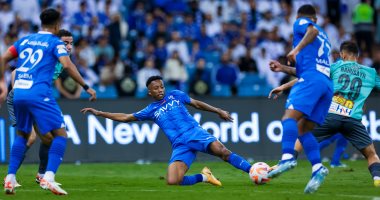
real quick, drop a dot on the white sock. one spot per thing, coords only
(49, 176)
(376, 178)
(316, 167)
(204, 178)
(10, 177)
(287, 156)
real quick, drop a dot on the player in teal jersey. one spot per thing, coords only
(353, 84)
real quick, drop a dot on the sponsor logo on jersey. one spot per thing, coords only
(339, 99)
(37, 43)
(166, 107)
(339, 109)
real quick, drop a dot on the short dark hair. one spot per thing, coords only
(152, 78)
(64, 33)
(350, 47)
(50, 17)
(307, 10)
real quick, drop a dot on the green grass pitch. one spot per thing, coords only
(120, 181)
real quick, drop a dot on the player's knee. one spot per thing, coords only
(225, 154)
(173, 181)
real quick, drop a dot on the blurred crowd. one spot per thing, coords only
(204, 47)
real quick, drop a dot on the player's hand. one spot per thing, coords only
(3, 91)
(275, 66)
(276, 92)
(292, 56)
(92, 93)
(225, 115)
(90, 110)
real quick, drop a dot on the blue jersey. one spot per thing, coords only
(314, 58)
(170, 114)
(37, 56)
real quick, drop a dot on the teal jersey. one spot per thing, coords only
(352, 85)
(57, 71)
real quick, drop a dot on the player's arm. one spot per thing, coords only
(377, 82)
(121, 117)
(276, 92)
(73, 72)
(206, 107)
(310, 35)
(61, 89)
(275, 66)
(9, 55)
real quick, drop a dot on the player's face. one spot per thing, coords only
(68, 40)
(156, 89)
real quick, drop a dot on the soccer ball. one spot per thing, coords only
(259, 173)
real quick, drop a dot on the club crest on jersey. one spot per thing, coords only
(303, 21)
(61, 49)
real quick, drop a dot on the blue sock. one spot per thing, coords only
(44, 155)
(341, 145)
(56, 152)
(239, 162)
(17, 154)
(26, 150)
(311, 147)
(289, 135)
(191, 180)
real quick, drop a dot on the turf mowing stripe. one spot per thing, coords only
(145, 190)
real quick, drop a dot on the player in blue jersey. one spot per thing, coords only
(353, 84)
(187, 137)
(67, 38)
(309, 98)
(33, 99)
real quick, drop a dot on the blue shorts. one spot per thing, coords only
(185, 147)
(312, 96)
(46, 114)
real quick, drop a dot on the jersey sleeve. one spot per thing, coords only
(301, 25)
(15, 47)
(182, 96)
(144, 114)
(377, 82)
(334, 66)
(60, 49)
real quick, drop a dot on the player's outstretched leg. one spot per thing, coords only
(289, 137)
(218, 149)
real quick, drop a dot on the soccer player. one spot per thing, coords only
(67, 38)
(33, 100)
(187, 137)
(352, 85)
(309, 99)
